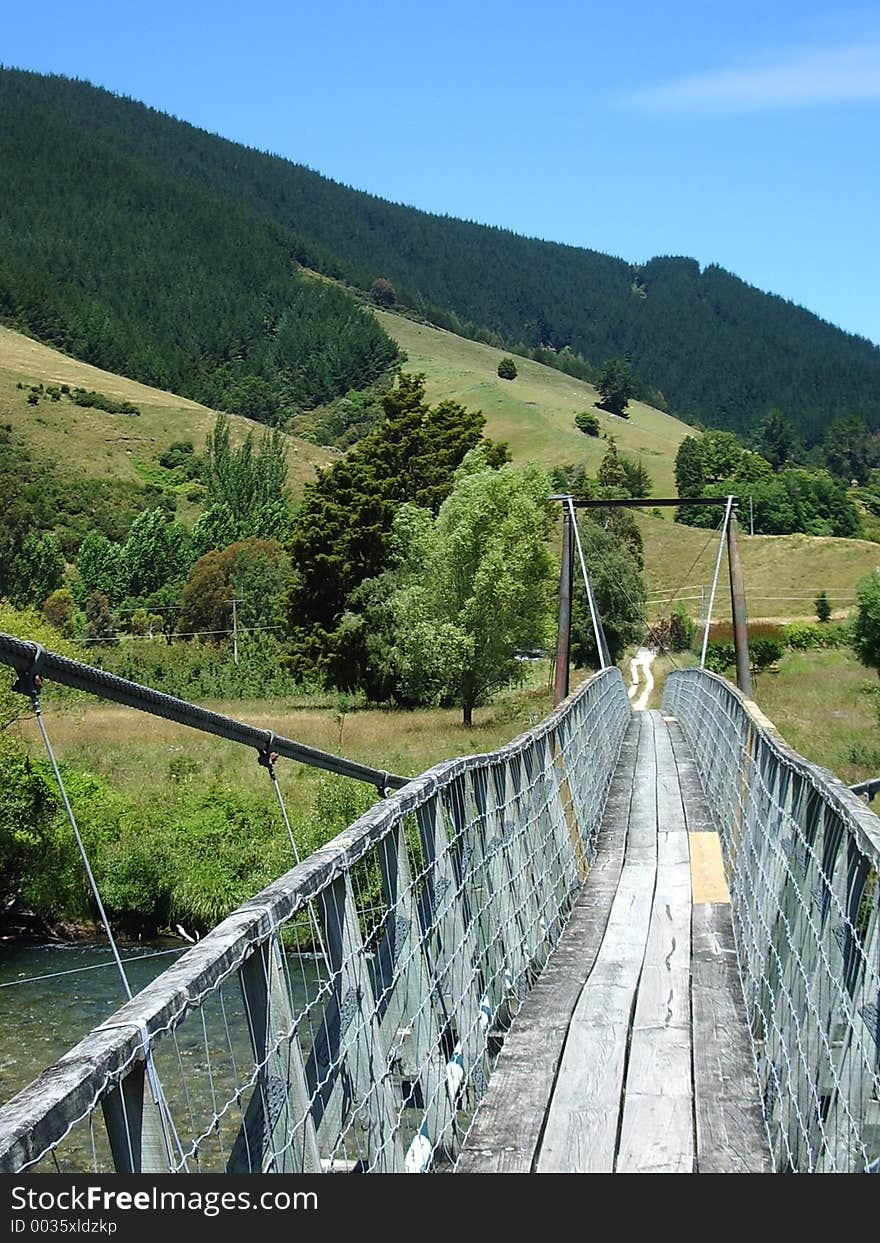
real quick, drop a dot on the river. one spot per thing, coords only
(52, 995)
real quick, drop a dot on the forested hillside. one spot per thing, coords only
(117, 247)
(152, 248)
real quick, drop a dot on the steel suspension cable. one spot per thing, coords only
(30, 659)
(165, 1120)
(642, 616)
(599, 633)
(715, 582)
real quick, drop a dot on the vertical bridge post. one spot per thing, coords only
(738, 609)
(563, 634)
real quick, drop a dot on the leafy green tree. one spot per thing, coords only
(507, 369)
(721, 454)
(616, 385)
(850, 450)
(638, 480)
(689, 476)
(206, 599)
(60, 611)
(101, 626)
(247, 478)
(475, 586)
(252, 572)
(37, 570)
(216, 528)
(611, 475)
(342, 531)
(100, 567)
(155, 552)
(777, 441)
(383, 292)
(866, 624)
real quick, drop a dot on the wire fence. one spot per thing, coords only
(802, 855)
(349, 1016)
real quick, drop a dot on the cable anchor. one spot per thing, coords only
(30, 681)
(266, 758)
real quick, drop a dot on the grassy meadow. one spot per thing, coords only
(167, 809)
(783, 574)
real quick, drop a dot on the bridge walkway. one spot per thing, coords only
(631, 1052)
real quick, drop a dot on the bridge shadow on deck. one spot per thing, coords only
(631, 1052)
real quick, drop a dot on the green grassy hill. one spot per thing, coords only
(535, 412)
(783, 573)
(91, 443)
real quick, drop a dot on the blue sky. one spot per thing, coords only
(745, 135)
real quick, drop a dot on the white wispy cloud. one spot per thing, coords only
(794, 78)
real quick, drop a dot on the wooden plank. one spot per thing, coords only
(277, 1134)
(708, 879)
(454, 955)
(698, 816)
(657, 1132)
(730, 1133)
(408, 1017)
(507, 1128)
(362, 1054)
(581, 1129)
(138, 1138)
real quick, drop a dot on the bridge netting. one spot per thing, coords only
(802, 854)
(348, 1016)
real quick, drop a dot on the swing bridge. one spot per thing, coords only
(627, 941)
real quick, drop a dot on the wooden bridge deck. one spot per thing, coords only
(631, 1053)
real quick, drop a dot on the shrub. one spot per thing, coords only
(587, 423)
(764, 651)
(682, 629)
(507, 369)
(806, 636)
(823, 608)
(100, 401)
(720, 655)
(802, 636)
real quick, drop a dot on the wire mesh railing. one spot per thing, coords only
(349, 1015)
(802, 855)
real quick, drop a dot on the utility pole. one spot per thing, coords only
(563, 632)
(234, 633)
(751, 516)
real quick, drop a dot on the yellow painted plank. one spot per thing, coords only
(708, 881)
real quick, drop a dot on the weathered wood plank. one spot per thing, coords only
(507, 1128)
(278, 1132)
(731, 1138)
(582, 1121)
(656, 1133)
(138, 1140)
